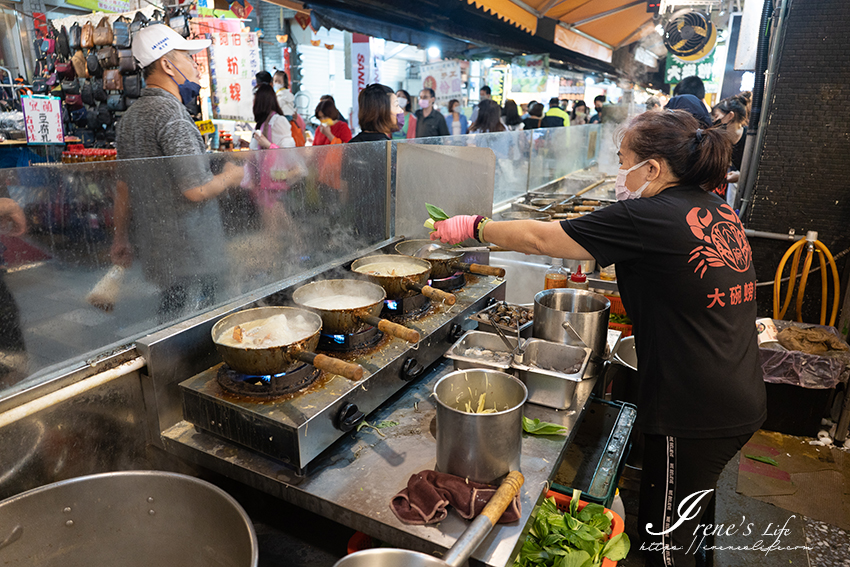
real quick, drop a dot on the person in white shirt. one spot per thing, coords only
(273, 129)
(285, 98)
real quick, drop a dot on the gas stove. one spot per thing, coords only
(296, 416)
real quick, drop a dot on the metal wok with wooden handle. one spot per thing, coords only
(401, 276)
(349, 306)
(463, 548)
(446, 262)
(276, 358)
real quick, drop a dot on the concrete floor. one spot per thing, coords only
(829, 546)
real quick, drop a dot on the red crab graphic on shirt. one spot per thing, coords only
(725, 241)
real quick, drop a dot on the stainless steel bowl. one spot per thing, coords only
(132, 519)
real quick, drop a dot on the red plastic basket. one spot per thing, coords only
(616, 305)
(562, 501)
(360, 541)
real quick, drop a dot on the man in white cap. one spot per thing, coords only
(169, 206)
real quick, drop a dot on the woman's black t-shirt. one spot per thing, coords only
(369, 137)
(685, 273)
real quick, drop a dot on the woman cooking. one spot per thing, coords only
(686, 278)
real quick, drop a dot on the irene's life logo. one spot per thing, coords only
(766, 537)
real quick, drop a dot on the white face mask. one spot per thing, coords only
(402, 102)
(620, 188)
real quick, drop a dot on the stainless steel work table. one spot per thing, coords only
(354, 480)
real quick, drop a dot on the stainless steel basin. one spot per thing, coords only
(132, 519)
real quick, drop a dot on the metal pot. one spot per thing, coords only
(467, 543)
(587, 266)
(479, 446)
(282, 358)
(351, 320)
(447, 262)
(399, 287)
(572, 316)
(133, 519)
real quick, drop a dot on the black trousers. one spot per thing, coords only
(677, 494)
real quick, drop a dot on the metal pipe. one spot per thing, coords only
(758, 145)
(71, 391)
(773, 235)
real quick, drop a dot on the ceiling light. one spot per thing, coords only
(434, 52)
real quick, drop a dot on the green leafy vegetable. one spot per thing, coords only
(760, 459)
(537, 427)
(436, 213)
(572, 539)
(619, 319)
(385, 424)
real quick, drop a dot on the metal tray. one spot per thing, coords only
(552, 388)
(488, 327)
(488, 341)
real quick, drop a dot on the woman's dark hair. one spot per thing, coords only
(489, 117)
(576, 106)
(452, 102)
(406, 94)
(511, 112)
(328, 109)
(265, 104)
(694, 155)
(283, 77)
(535, 110)
(737, 105)
(374, 113)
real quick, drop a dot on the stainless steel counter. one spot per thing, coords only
(354, 480)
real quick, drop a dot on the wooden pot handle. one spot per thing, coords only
(393, 329)
(332, 365)
(502, 499)
(438, 295)
(485, 270)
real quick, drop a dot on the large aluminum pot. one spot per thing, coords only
(572, 316)
(483, 447)
(132, 519)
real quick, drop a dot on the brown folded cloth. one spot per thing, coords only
(429, 493)
(810, 340)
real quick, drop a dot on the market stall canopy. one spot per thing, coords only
(459, 29)
(592, 27)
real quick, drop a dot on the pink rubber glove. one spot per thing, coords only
(454, 230)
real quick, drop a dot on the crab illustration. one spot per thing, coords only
(726, 243)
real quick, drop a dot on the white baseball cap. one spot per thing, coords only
(154, 41)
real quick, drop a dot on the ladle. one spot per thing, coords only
(517, 351)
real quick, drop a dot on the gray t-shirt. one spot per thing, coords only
(175, 238)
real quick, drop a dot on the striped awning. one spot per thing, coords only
(609, 24)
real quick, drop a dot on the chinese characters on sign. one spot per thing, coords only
(43, 120)
(444, 78)
(234, 62)
(675, 70)
(529, 73)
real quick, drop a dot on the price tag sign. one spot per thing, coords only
(43, 119)
(205, 126)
